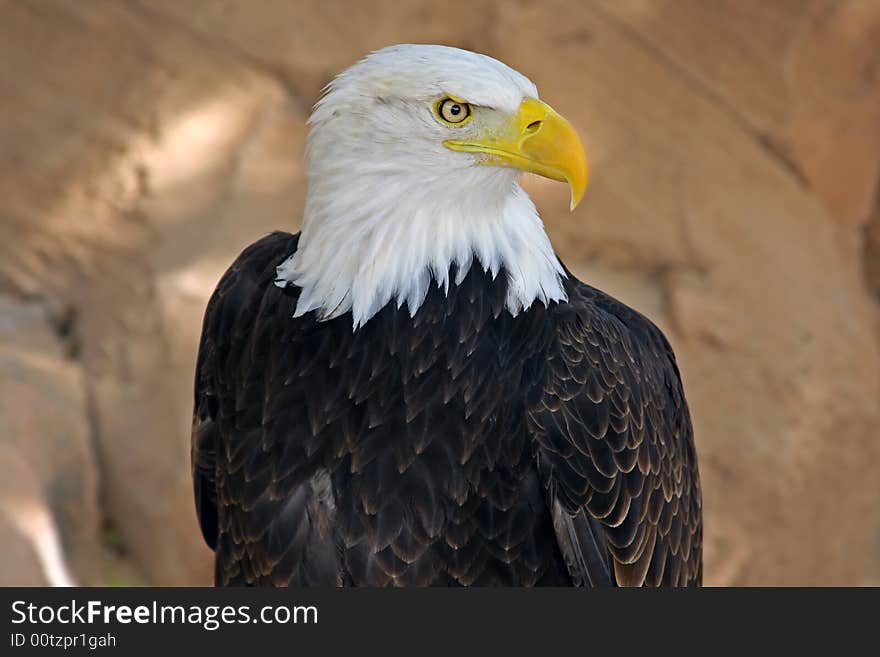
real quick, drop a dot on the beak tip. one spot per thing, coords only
(577, 195)
(577, 177)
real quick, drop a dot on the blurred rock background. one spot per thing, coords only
(735, 147)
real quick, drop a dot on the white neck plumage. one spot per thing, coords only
(367, 242)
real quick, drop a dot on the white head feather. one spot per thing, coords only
(389, 205)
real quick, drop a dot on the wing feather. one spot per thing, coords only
(615, 448)
(264, 504)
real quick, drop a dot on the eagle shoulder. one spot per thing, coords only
(263, 506)
(615, 447)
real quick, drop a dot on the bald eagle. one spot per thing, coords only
(413, 390)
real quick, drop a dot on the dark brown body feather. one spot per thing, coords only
(461, 446)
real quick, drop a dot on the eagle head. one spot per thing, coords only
(436, 113)
(413, 158)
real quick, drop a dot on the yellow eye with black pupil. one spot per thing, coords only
(453, 111)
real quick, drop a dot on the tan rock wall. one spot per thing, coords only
(736, 154)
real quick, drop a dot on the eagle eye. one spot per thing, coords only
(453, 112)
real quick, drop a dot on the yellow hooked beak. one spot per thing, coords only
(537, 140)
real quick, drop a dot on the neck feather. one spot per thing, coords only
(359, 252)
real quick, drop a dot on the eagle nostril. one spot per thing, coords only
(534, 126)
